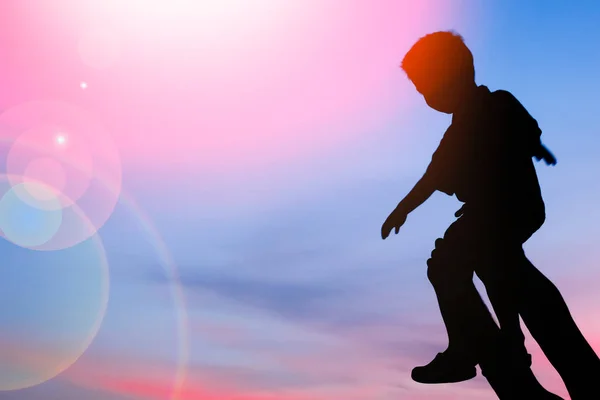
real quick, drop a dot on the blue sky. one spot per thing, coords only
(288, 288)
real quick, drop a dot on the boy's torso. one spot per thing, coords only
(485, 158)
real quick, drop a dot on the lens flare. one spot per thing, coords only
(151, 233)
(25, 219)
(42, 154)
(58, 146)
(45, 173)
(54, 305)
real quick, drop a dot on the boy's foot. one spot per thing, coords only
(444, 368)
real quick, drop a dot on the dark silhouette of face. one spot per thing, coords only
(440, 94)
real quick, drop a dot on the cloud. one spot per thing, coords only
(296, 301)
(263, 339)
(340, 369)
(61, 390)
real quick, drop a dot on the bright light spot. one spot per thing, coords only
(61, 139)
(83, 85)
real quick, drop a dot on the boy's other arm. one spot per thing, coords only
(542, 153)
(527, 127)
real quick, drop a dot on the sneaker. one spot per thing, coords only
(444, 369)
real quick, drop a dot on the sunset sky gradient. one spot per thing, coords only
(255, 148)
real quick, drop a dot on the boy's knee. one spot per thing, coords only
(435, 253)
(448, 267)
(437, 264)
(435, 272)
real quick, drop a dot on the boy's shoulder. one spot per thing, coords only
(504, 95)
(508, 108)
(490, 104)
(510, 116)
(502, 100)
(505, 100)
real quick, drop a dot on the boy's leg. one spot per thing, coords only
(468, 322)
(459, 303)
(473, 335)
(513, 283)
(494, 271)
(547, 316)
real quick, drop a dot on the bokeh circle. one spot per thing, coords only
(62, 147)
(45, 179)
(25, 218)
(48, 155)
(53, 305)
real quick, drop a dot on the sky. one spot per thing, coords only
(193, 191)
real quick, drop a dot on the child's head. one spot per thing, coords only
(441, 67)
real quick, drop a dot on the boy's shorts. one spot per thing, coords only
(475, 243)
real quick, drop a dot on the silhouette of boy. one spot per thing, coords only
(485, 159)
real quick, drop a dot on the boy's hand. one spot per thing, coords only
(394, 221)
(545, 155)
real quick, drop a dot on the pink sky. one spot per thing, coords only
(271, 82)
(268, 143)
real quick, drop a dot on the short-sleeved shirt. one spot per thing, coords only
(485, 156)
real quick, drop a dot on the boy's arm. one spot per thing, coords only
(422, 191)
(430, 182)
(433, 179)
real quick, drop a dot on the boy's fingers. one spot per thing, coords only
(397, 229)
(384, 232)
(460, 211)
